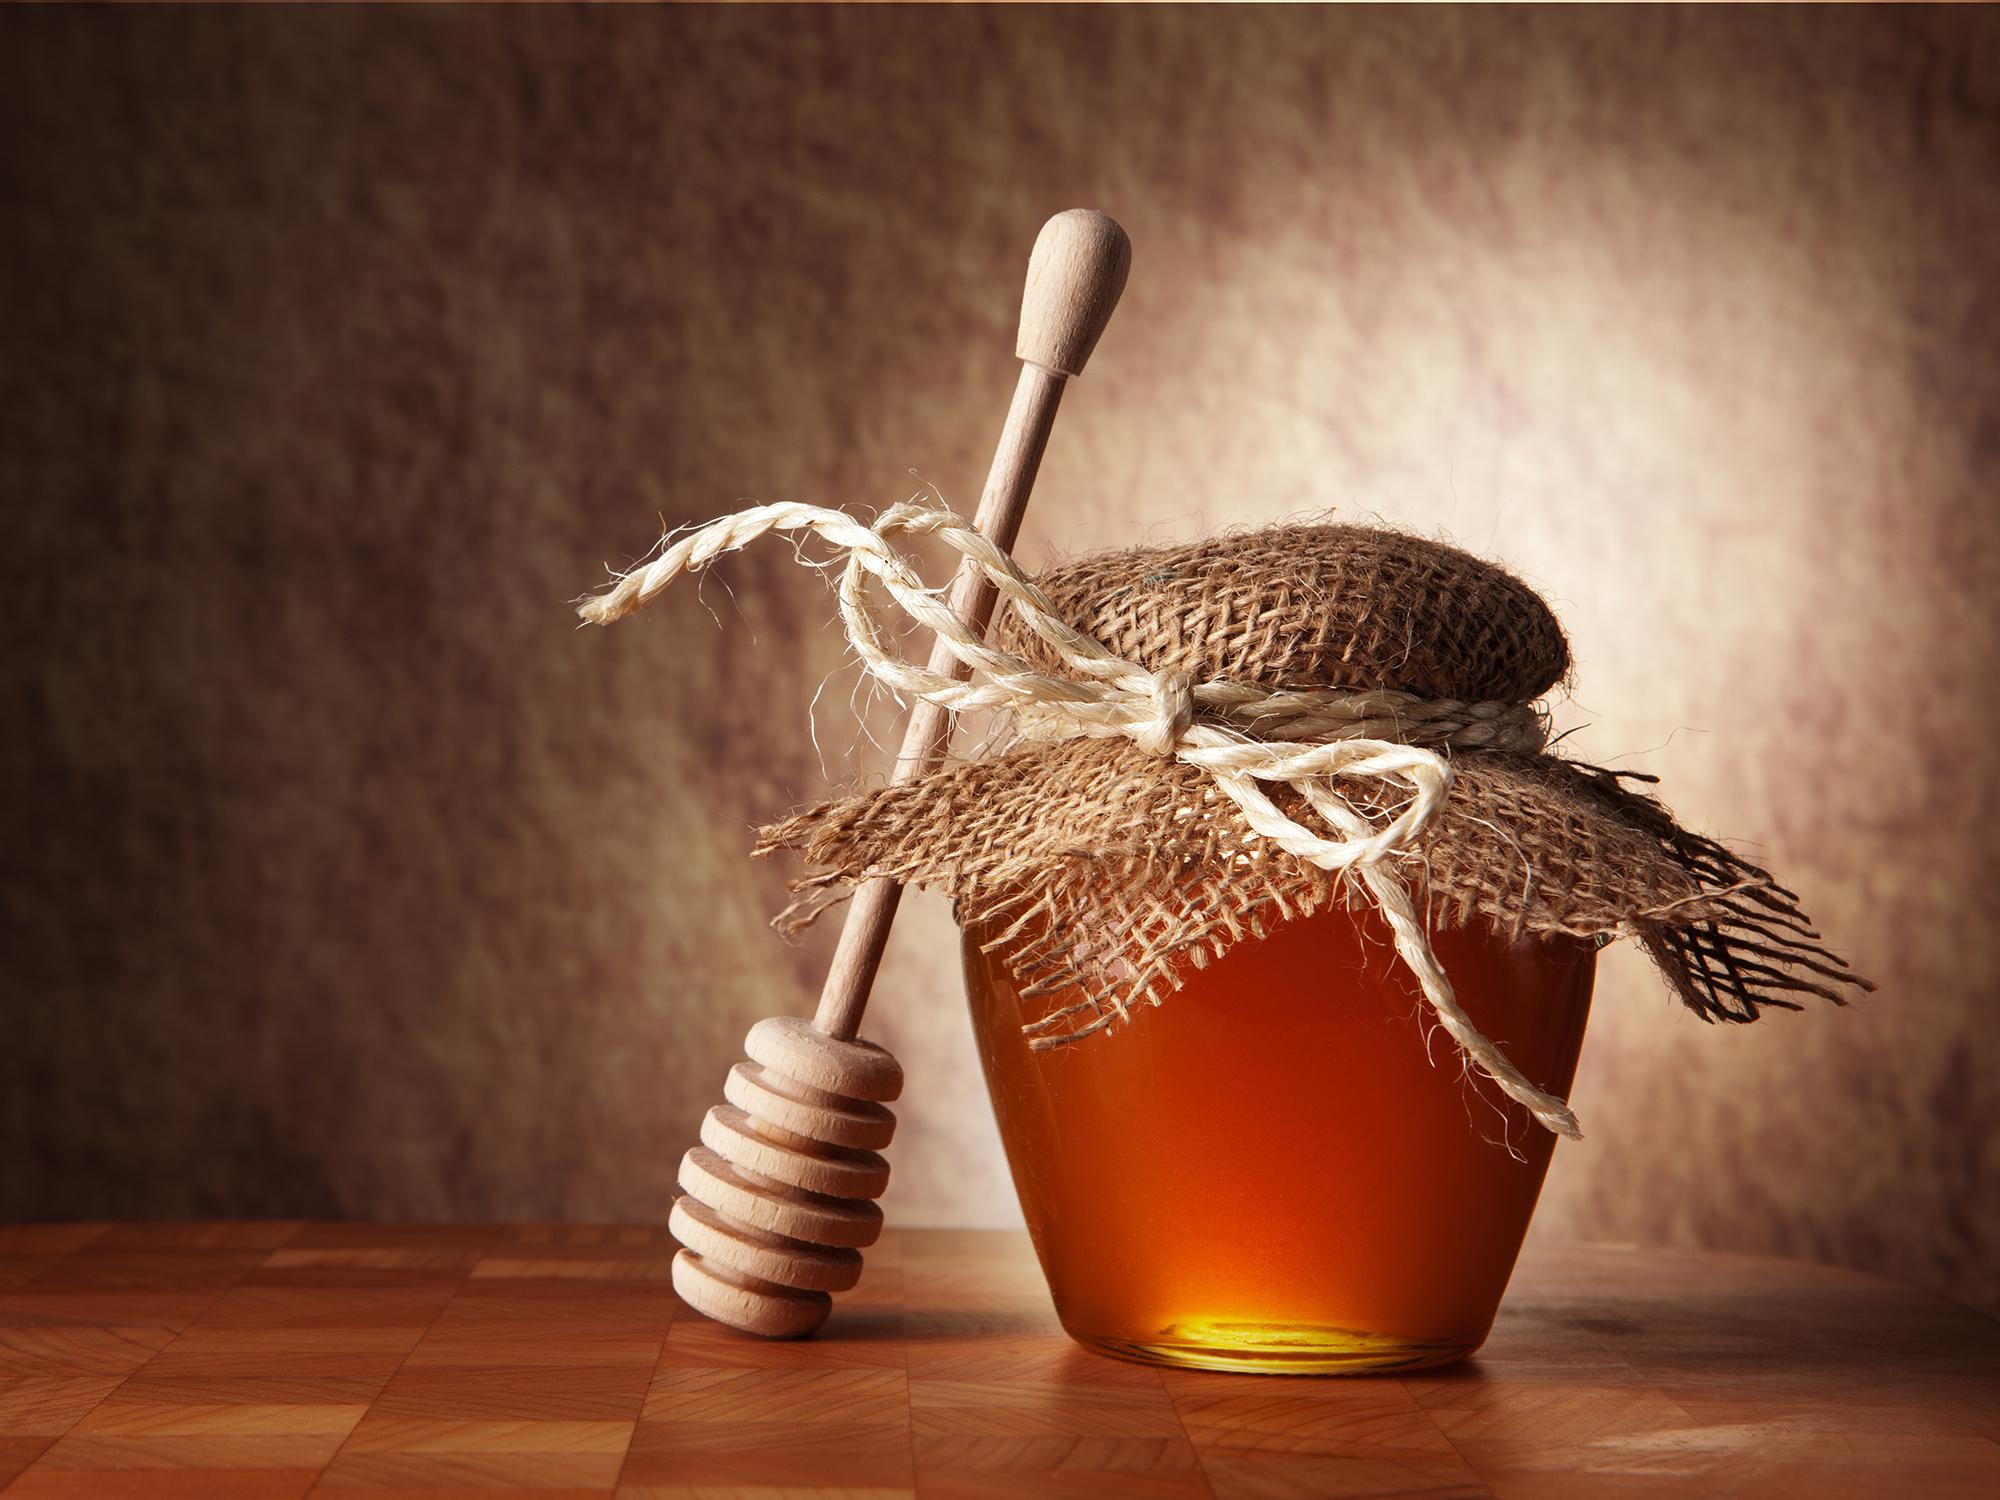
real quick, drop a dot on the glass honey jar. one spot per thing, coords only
(1290, 1180)
(1280, 919)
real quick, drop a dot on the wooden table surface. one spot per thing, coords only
(221, 1360)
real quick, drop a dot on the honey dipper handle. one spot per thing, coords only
(1075, 275)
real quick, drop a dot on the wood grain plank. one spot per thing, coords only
(77, 1349)
(581, 1251)
(433, 1472)
(1037, 1358)
(16, 1453)
(53, 1240)
(1031, 1484)
(284, 1451)
(285, 1302)
(47, 1406)
(871, 1455)
(130, 1307)
(45, 1483)
(547, 1344)
(122, 1415)
(203, 1234)
(1241, 1474)
(778, 1397)
(1007, 1408)
(536, 1299)
(627, 1491)
(1343, 1417)
(958, 1464)
(1559, 1413)
(19, 1270)
(380, 1434)
(576, 1393)
(850, 1340)
(204, 1377)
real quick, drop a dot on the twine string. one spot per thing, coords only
(1239, 733)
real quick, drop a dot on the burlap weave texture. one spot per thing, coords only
(1109, 870)
(1311, 607)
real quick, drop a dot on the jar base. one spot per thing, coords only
(1280, 1349)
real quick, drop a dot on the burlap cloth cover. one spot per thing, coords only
(1108, 868)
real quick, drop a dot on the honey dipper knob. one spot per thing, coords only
(1075, 277)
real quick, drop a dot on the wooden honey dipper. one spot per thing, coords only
(780, 1193)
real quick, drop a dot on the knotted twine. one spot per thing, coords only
(1239, 734)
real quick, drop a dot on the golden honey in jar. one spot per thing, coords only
(1282, 1168)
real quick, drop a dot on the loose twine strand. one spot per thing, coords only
(1239, 733)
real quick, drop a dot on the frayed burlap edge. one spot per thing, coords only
(1103, 872)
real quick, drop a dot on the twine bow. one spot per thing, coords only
(1239, 733)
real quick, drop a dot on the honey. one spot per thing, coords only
(1280, 1169)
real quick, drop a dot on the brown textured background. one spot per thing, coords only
(340, 349)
